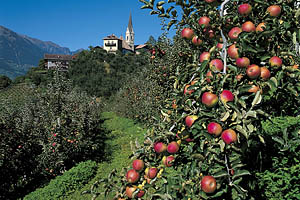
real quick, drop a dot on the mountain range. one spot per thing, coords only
(18, 53)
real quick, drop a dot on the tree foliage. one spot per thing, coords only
(200, 153)
(102, 74)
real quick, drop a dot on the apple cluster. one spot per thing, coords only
(211, 111)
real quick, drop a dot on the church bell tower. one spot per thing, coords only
(130, 34)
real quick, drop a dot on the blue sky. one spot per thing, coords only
(77, 23)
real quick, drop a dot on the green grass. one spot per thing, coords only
(123, 131)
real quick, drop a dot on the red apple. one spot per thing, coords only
(209, 99)
(209, 75)
(274, 10)
(196, 41)
(160, 147)
(253, 89)
(130, 191)
(216, 65)
(208, 184)
(204, 21)
(242, 62)
(214, 128)
(275, 61)
(226, 96)
(248, 26)
(168, 160)
(253, 71)
(220, 46)
(173, 147)
(132, 176)
(233, 52)
(265, 73)
(209, 1)
(187, 33)
(245, 9)
(234, 33)
(138, 165)
(204, 56)
(260, 27)
(189, 120)
(229, 136)
(151, 172)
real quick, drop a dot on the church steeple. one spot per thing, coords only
(130, 33)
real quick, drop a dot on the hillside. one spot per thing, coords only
(18, 52)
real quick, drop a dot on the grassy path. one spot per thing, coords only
(123, 131)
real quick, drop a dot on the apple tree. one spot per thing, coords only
(234, 65)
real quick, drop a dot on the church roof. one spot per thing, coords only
(125, 45)
(130, 27)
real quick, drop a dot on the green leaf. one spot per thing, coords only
(154, 12)
(257, 99)
(261, 139)
(241, 172)
(220, 174)
(225, 117)
(240, 129)
(160, 3)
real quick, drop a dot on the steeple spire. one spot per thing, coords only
(130, 34)
(130, 23)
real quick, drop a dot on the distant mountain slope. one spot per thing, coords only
(18, 52)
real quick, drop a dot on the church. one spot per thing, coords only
(112, 43)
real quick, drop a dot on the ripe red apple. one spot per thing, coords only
(234, 33)
(151, 172)
(209, 75)
(229, 136)
(253, 89)
(260, 27)
(242, 62)
(173, 147)
(233, 52)
(216, 65)
(208, 184)
(168, 160)
(138, 165)
(275, 61)
(204, 56)
(265, 73)
(160, 147)
(204, 21)
(209, 99)
(187, 33)
(214, 128)
(248, 26)
(226, 96)
(253, 71)
(245, 9)
(189, 120)
(209, 1)
(132, 176)
(130, 191)
(196, 41)
(220, 46)
(274, 10)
